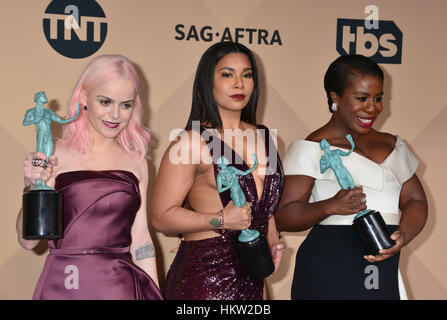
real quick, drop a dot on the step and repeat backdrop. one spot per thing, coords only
(46, 44)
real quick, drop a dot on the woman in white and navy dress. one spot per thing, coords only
(330, 263)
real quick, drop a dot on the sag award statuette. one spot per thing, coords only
(253, 250)
(368, 224)
(42, 205)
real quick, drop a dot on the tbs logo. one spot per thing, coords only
(383, 44)
(75, 28)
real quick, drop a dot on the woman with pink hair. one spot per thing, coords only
(106, 251)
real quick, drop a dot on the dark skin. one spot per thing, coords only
(358, 107)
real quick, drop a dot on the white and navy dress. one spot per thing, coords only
(329, 262)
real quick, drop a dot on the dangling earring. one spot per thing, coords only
(334, 107)
(85, 108)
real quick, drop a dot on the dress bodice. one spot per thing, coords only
(264, 206)
(381, 183)
(99, 208)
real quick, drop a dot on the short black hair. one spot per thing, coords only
(204, 106)
(342, 72)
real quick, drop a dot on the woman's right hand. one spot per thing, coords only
(347, 202)
(32, 173)
(236, 218)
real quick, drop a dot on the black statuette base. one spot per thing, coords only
(42, 214)
(255, 258)
(373, 233)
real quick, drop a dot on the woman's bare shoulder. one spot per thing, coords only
(186, 147)
(385, 138)
(133, 162)
(64, 154)
(318, 135)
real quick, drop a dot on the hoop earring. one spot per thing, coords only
(334, 107)
(85, 108)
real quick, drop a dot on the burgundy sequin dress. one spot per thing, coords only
(92, 259)
(209, 269)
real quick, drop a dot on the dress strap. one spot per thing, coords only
(268, 141)
(217, 148)
(274, 162)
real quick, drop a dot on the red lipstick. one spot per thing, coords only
(238, 97)
(366, 122)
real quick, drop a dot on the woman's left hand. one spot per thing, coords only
(277, 250)
(397, 236)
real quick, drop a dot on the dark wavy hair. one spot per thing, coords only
(343, 71)
(204, 106)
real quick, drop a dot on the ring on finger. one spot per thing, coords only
(363, 200)
(39, 163)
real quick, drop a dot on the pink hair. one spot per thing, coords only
(100, 70)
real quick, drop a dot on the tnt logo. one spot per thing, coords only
(382, 44)
(75, 28)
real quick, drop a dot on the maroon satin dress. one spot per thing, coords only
(209, 269)
(92, 259)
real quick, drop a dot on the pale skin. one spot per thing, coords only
(111, 102)
(195, 180)
(361, 100)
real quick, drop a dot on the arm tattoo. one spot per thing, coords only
(145, 251)
(215, 222)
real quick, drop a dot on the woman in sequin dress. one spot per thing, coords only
(186, 200)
